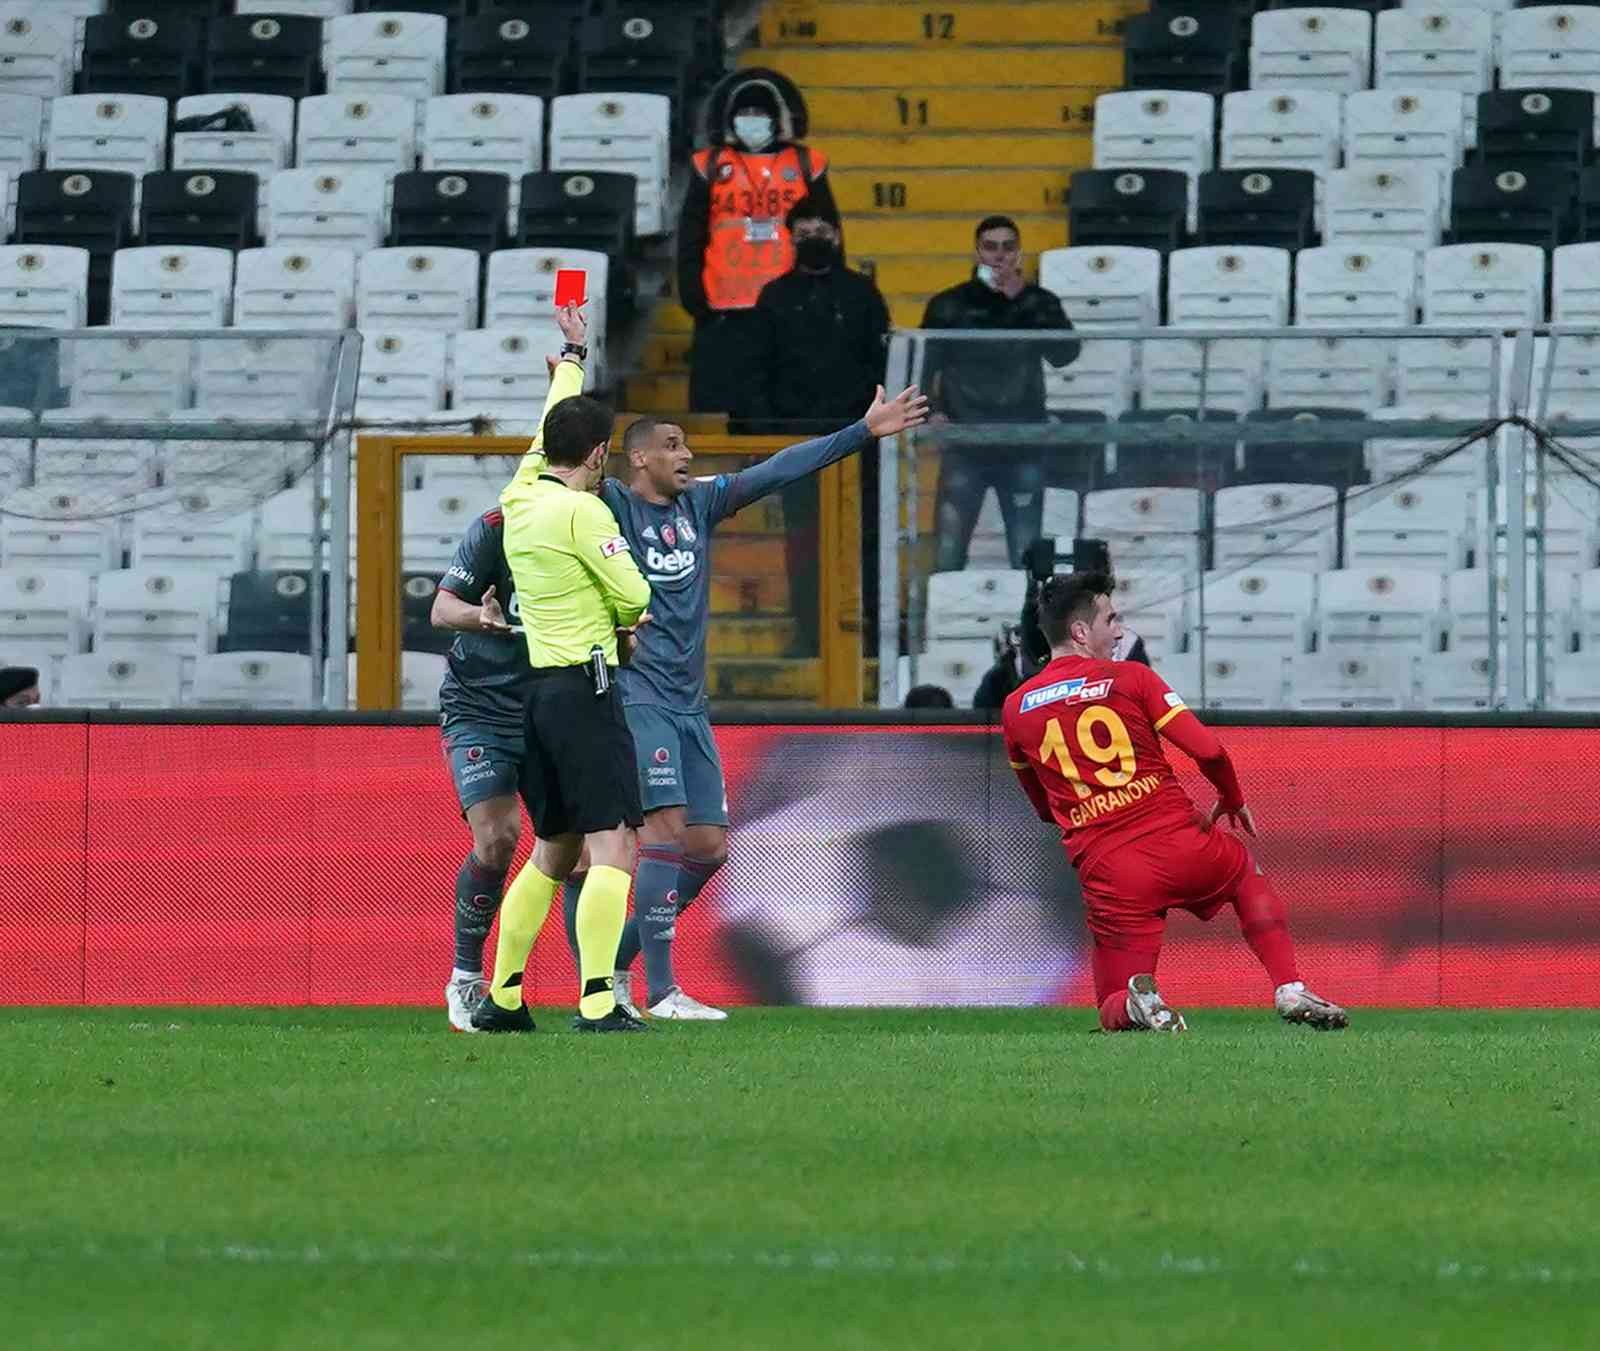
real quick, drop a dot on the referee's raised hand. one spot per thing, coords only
(907, 409)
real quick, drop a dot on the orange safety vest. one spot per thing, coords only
(747, 242)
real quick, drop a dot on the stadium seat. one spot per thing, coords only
(1150, 530)
(46, 527)
(1344, 287)
(501, 373)
(1587, 227)
(1438, 46)
(1278, 129)
(1456, 682)
(1155, 606)
(252, 680)
(1467, 594)
(1358, 681)
(1364, 608)
(957, 665)
(16, 453)
(619, 53)
(208, 464)
(1258, 682)
(973, 604)
(1281, 526)
(204, 529)
(1391, 456)
(421, 674)
(100, 465)
(294, 288)
(617, 133)
(133, 373)
(1404, 128)
(1352, 374)
(1228, 287)
(1556, 45)
(1155, 448)
(21, 138)
(1518, 127)
(172, 608)
(386, 54)
(342, 133)
(284, 533)
(1226, 374)
(1100, 380)
(273, 51)
(327, 208)
(402, 373)
(1575, 293)
(263, 378)
(431, 525)
(92, 211)
(1576, 684)
(1532, 204)
(149, 50)
(204, 208)
(1146, 208)
(578, 211)
(263, 151)
(1571, 518)
(1311, 49)
(1587, 607)
(44, 613)
(45, 285)
(1255, 611)
(1154, 129)
(121, 677)
(510, 53)
(417, 288)
(1454, 371)
(499, 133)
(1483, 284)
(521, 294)
(1421, 525)
(36, 50)
(441, 208)
(126, 134)
(1254, 207)
(1107, 287)
(312, 9)
(171, 287)
(479, 476)
(1372, 208)
(1195, 48)
(269, 610)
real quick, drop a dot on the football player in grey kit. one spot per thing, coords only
(668, 518)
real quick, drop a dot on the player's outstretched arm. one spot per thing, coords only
(450, 611)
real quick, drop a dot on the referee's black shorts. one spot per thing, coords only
(579, 775)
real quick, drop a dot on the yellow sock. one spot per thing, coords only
(602, 910)
(522, 915)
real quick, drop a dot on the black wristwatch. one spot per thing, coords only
(575, 349)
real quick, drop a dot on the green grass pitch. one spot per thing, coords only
(294, 1179)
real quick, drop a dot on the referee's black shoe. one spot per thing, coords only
(487, 1016)
(618, 1020)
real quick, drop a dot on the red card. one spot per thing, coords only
(571, 287)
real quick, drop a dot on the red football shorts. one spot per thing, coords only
(1128, 888)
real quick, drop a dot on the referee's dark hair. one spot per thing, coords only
(574, 427)
(1066, 599)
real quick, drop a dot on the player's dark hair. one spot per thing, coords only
(1066, 599)
(641, 430)
(929, 696)
(573, 428)
(995, 223)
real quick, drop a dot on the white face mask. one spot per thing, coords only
(753, 130)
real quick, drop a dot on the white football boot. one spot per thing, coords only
(1296, 1004)
(622, 990)
(676, 1004)
(460, 997)
(1148, 1010)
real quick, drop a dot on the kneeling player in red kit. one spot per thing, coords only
(1084, 736)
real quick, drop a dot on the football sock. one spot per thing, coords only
(655, 906)
(1264, 920)
(571, 889)
(628, 948)
(692, 877)
(1114, 1012)
(477, 898)
(602, 906)
(521, 917)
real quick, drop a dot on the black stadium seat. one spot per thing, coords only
(1199, 50)
(653, 52)
(1148, 456)
(265, 54)
(578, 211)
(511, 52)
(1529, 126)
(271, 612)
(1339, 464)
(445, 208)
(1587, 228)
(454, 10)
(147, 50)
(1275, 208)
(1525, 204)
(417, 630)
(88, 209)
(201, 10)
(200, 207)
(1145, 207)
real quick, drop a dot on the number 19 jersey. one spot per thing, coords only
(1090, 732)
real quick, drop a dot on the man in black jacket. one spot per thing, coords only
(990, 383)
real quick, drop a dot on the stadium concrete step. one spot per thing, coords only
(658, 394)
(753, 636)
(670, 317)
(736, 556)
(928, 108)
(907, 311)
(667, 354)
(760, 593)
(892, 192)
(906, 235)
(807, 23)
(929, 150)
(911, 277)
(916, 71)
(775, 679)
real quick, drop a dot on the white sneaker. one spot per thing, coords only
(622, 988)
(676, 1004)
(1148, 1010)
(1296, 1004)
(460, 995)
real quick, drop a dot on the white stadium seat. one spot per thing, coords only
(328, 208)
(1060, 516)
(1344, 287)
(1576, 290)
(121, 133)
(1422, 524)
(263, 152)
(1483, 285)
(1398, 607)
(1156, 607)
(15, 452)
(1281, 526)
(99, 464)
(294, 288)
(1436, 46)
(311, 9)
(1329, 372)
(1551, 45)
(618, 133)
(1222, 681)
(1390, 456)
(263, 378)
(340, 132)
(21, 134)
(1281, 129)
(485, 133)
(208, 465)
(1576, 686)
(402, 373)
(1358, 681)
(1106, 287)
(1311, 49)
(44, 285)
(974, 603)
(283, 534)
(1099, 381)
(120, 677)
(1250, 609)
(204, 529)
(1154, 129)
(1571, 522)
(417, 288)
(163, 286)
(521, 294)
(128, 371)
(1467, 594)
(958, 665)
(1456, 682)
(1228, 373)
(1587, 608)
(431, 525)
(167, 607)
(252, 680)
(36, 49)
(421, 674)
(1370, 208)
(501, 373)
(1437, 370)
(1228, 286)
(987, 547)
(1150, 530)
(45, 527)
(385, 54)
(1398, 128)
(44, 613)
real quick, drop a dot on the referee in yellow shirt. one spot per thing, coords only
(577, 586)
